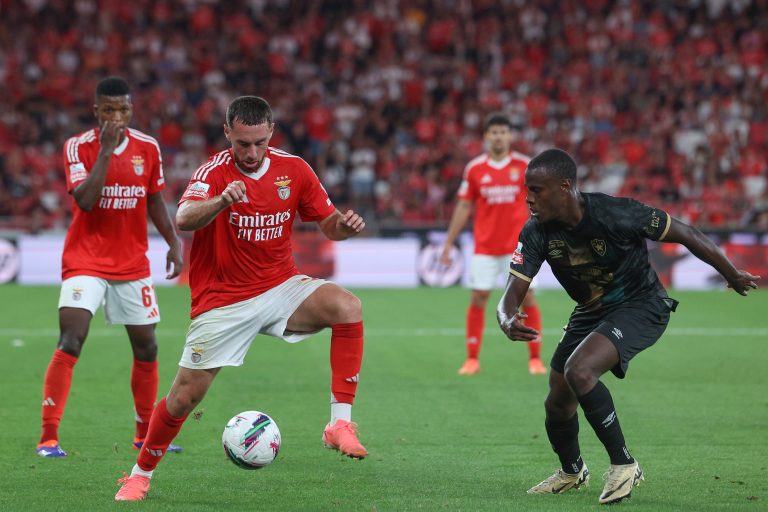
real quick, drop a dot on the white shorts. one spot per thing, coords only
(125, 302)
(487, 272)
(222, 336)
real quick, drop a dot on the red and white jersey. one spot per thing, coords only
(497, 189)
(246, 249)
(110, 241)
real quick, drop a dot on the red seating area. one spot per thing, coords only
(657, 100)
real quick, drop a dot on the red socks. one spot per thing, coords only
(534, 320)
(58, 379)
(163, 428)
(475, 327)
(144, 381)
(346, 359)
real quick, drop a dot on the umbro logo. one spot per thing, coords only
(609, 419)
(616, 332)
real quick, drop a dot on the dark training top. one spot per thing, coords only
(601, 262)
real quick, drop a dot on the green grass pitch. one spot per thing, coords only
(694, 409)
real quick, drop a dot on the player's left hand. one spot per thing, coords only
(174, 262)
(743, 282)
(515, 329)
(350, 224)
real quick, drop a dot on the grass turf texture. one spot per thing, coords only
(694, 410)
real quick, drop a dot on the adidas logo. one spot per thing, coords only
(49, 402)
(355, 378)
(154, 313)
(485, 179)
(155, 453)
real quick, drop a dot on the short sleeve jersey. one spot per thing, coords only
(601, 262)
(110, 241)
(497, 190)
(246, 249)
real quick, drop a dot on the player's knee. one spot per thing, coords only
(580, 377)
(349, 309)
(147, 353)
(182, 402)
(71, 343)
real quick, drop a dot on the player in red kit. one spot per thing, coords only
(241, 205)
(493, 184)
(115, 175)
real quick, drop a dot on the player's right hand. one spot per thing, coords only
(234, 193)
(515, 329)
(445, 255)
(109, 135)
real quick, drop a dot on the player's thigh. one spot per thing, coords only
(131, 303)
(484, 271)
(83, 292)
(633, 328)
(327, 305)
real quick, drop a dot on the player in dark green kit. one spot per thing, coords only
(595, 245)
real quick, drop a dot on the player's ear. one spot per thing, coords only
(226, 132)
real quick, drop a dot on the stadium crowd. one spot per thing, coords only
(663, 101)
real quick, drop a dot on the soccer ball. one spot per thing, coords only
(251, 440)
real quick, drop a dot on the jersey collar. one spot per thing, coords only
(259, 173)
(121, 147)
(499, 164)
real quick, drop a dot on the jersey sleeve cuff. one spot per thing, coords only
(666, 228)
(520, 276)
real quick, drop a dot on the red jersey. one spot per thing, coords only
(246, 249)
(497, 189)
(110, 241)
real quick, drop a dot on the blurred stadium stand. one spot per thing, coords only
(665, 101)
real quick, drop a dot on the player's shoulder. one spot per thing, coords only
(216, 164)
(607, 202)
(519, 158)
(143, 138)
(475, 165)
(81, 139)
(289, 161)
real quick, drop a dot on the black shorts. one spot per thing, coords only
(632, 327)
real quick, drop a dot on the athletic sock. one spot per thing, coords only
(340, 411)
(163, 428)
(58, 379)
(346, 359)
(144, 381)
(564, 439)
(601, 414)
(475, 326)
(534, 321)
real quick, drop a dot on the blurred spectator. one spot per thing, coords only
(664, 101)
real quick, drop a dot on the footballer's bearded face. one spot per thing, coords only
(498, 140)
(115, 109)
(249, 143)
(548, 196)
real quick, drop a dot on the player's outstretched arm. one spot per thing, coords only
(158, 212)
(459, 219)
(193, 215)
(706, 250)
(338, 226)
(509, 316)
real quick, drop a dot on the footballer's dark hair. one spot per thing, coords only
(249, 110)
(497, 119)
(112, 86)
(555, 162)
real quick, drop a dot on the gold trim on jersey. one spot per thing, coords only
(666, 228)
(521, 276)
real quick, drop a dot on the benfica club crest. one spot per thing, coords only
(283, 190)
(138, 165)
(77, 294)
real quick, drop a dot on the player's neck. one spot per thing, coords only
(498, 157)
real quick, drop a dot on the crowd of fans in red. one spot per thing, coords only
(666, 102)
